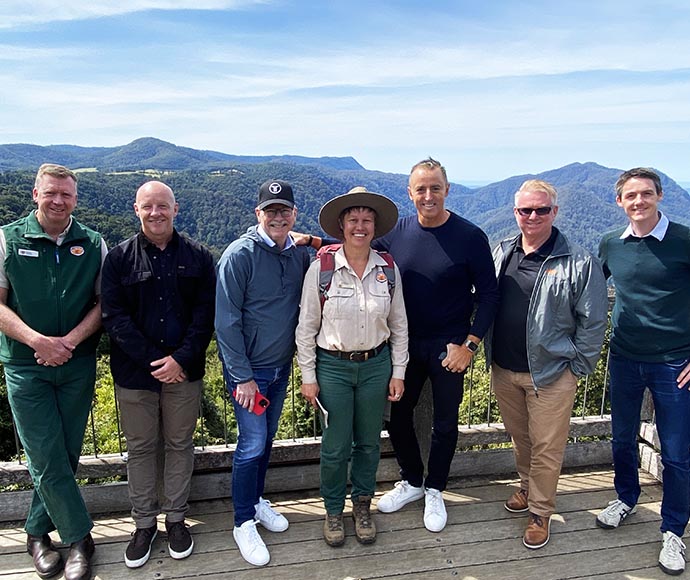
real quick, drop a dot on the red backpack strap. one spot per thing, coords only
(388, 270)
(326, 257)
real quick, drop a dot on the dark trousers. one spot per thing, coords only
(447, 390)
(51, 406)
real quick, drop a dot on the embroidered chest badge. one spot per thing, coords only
(381, 277)
(76, 251)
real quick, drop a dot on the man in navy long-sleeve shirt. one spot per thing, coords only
(446, 267)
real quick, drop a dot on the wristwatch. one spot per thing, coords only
(471, 345)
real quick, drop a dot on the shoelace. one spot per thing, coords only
(267, 512)
(334, 523)
(434, 501)
(363, 515)
(399, 488)
(253, 534)
(675, 545)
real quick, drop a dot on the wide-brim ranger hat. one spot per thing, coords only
(386, 211)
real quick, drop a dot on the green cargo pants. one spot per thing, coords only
(50, 407)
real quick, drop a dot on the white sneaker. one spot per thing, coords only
(672, 555)
(401, 494)
(435, 515)
(270, 518)
(251, 545)
(612, 516)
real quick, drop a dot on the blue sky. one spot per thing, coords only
(492, 88)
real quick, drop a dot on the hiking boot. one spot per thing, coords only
(612, 516)
(139, 548)
(537, 532)
(180, 542)
(270, 518)
(365, 528)
(401, 494)
(672, 555)
(435, 515)
(517, 502)
(47, 560)
(251, 545)
(334, 530)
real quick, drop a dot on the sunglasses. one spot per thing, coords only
(527, 211)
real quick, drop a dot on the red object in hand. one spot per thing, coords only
(261, 403)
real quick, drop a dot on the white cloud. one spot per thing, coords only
(15, 13)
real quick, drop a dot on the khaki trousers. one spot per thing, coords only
(150, 420)
(538, 426)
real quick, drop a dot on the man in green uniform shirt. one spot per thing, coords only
(49, 317)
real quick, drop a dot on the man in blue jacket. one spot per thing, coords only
(548, 332)
(158, 301)
(259, 287)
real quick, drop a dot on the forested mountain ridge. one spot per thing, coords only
(217, 205)
(146, 153)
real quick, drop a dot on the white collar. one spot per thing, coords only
(264, 236)
(658, 232)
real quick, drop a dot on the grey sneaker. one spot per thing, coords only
(672, 555)
(401, 494)
(613, 515)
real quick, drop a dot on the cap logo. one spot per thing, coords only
(275, 188)
(76, 250)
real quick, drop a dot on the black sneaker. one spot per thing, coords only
(139, 548)
(180, 543)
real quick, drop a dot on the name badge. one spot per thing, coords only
(27, 253)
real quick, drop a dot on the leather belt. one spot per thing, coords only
(355, 355)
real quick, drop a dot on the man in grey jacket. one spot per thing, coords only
(258, 292)
(548, 332)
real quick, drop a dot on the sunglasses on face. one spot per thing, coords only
(527, 211)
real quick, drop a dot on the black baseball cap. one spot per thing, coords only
(275, 191)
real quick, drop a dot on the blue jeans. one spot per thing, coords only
(672, 409)
(255, 438)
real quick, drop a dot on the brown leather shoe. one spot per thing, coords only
(334, 530)
(537, 532)
(78, 565)
(47, 560)
(517, 502)
(365, 528)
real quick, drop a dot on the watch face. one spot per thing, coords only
(473, 346)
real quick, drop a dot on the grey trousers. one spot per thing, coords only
(150, 421)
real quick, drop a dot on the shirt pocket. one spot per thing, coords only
(379, 303)
(341, 303)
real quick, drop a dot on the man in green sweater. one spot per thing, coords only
(49, 317)
(649, 262)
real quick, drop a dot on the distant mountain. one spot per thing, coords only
(146, 153)
(217, 192)
(586, 200)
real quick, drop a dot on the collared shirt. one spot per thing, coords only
(358, 315)
(163, 310)
(516, 286)
(4, 282)
(269, 242)
(658, 232)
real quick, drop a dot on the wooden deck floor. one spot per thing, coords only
(482, 541)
